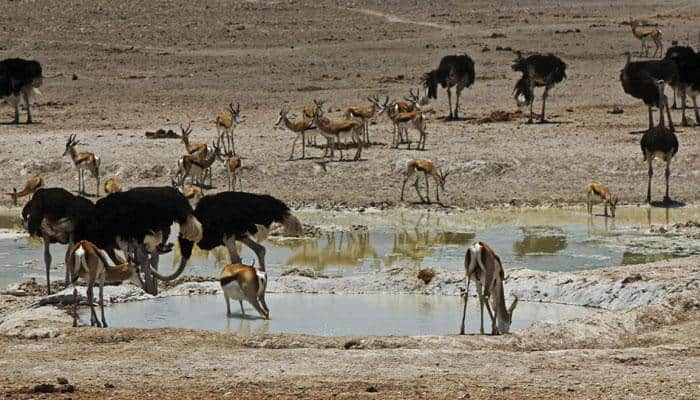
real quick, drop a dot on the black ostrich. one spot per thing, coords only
(228, 217)
(661, 142)
(19, 77)
(53, 215)
(538, 70)
(639, 80)
(138, 222)
(455, 70)
(675, 53)
(688, 63)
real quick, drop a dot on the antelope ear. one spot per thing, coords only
(512, 305)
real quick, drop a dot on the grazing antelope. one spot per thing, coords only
(231, 164)
(226, 122)
(402, 121)
(244, 282)
(659, 141)
(299, 127)
(647, 35)
(190, 192)
(112, 185)
(427, 168)
(83, 161)
(196, 167)
(483, 265)
(195, 149)
(334, 131)
(84, 260)
(364, 114)
(602, 191)
(30, 186)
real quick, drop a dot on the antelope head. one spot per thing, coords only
(186, 132)
(319, 108)
(503, 322)
(413, 98)
(70, 143)
(281, 116)
(382, 106)
(442, 176)
(613, 204)
(235, 112)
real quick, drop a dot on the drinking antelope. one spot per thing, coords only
(84, 260)
(244, 282)
(299, 127)
(483, 265)
(602, 191)
(226, 122)
(647, 35)
(334, 131)
(32, 184)
(231, 164)
(427, 168)
(83, 161)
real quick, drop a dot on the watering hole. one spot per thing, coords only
(326, 314)
(357, 242)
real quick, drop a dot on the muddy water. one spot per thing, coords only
(355, 242)
(326, 315)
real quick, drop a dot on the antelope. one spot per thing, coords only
(112, 186)
(226, 122)
(428, 169)
(299, 127)
(646, 35)
(83, 161)
(602, 191)
(30, 186)
(411, 103)
(402, 121)
(84, 260)
(341, 129)
(231, 164)
(196, 149)
(364, 114)
(195, 166)
(244, 282)
(190, 192)
(483, 265)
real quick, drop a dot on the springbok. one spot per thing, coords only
(602, 191)
(647, 35)
(226, 122)
(232, 164)
(483, 265)
(195, 149)
(83, 161)
(196, 167)
(364, 114)
(244, 282)
(334, 131)
(32, 184)
(427, 168)
(299, 127)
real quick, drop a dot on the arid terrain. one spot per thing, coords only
(128, 67)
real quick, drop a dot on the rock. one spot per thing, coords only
(109, 385)
(35, 167)
(67, 389)
(75, 77)
(44, 388)
(62, 381)
(372, 389)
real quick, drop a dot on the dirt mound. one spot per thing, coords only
(499, 116)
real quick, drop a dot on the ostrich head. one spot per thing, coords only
(430, 82)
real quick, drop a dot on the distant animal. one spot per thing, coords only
(245, 282)
(20, 78)
(84, 260)
(195, 149)
(84, 161)
(364, 114)
(112, 185)
(339, 130)
(647, 35)
(428, 169)
(196, 167)
(688, 62)
(32, 184)
(232, 165)
(659, 141)
(454, 70)
(537, 70)
(226, 122)
(483, 265)
(299, 127)
(639, 80)
(602, 191)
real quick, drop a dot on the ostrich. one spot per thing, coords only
(455, 70)
(676, 53)
(639, 81)
(19, 77)
(538, 70)
(53, 214)
(661, 142)
(138, 221)
(688, 63)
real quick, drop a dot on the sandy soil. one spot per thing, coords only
(144, 66)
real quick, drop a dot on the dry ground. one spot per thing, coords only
(144, 65)
(141, 66)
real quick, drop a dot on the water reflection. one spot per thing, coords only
(338, 249)
(540, 239)
(630, 258)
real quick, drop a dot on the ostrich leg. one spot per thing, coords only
(651, 173)
(230, 243)
(47, 261)
(449, 101)
(695, 106)
(668, 114)
(544, 102)
(667, 198)
(458, 92)
(651, 118)
(153, 261)
(257, 248)
(29, 110)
